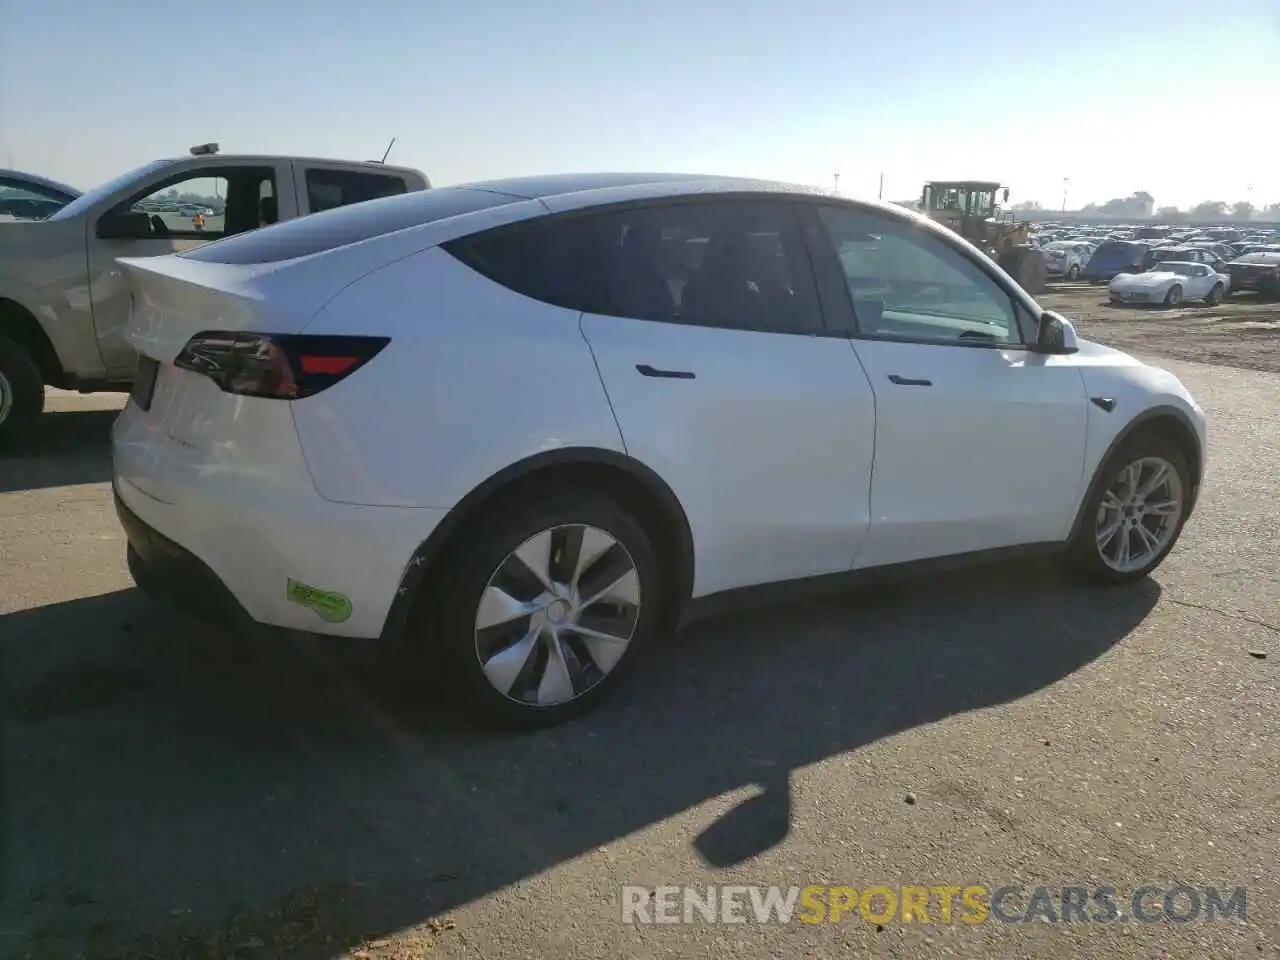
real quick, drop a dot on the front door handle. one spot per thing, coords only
(909, 381)
(648, 371)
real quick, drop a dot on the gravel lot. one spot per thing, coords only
(172, 792)
(1244, 331)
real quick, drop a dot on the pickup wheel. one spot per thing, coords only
(21, 394)
(1215, 295)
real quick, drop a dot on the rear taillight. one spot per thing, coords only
(276, 366)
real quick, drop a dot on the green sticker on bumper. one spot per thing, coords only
(328, 606)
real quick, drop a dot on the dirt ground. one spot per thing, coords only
(1244, 331)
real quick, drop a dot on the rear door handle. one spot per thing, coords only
(648, 371)
(909, 381)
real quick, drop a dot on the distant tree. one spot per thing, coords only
(1209, 210)
(1171, 215)
(1242, 210)
(1139, 204)
(1090, 208)
(1027, 205)
(1270, 212)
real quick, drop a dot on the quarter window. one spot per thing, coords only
(907, 284)
(555, 261)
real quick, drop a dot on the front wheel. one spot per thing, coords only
(1216, 294)
(547, 608)
(21, 394)
(1135, 513)
(1074, 272)
(1173, 297)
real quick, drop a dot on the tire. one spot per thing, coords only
(1216, 295)
(1026, 265)
(21, 395)
(1173, 297)
(451, 637)
(1074, 272)
(1085, 551)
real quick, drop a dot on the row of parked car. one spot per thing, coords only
(1236, 260)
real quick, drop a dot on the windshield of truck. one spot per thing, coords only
(102, 191)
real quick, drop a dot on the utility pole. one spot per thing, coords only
(880, 193)
(837, 180)
(1065, 183)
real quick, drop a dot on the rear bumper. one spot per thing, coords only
(168, 572)
(222, 514)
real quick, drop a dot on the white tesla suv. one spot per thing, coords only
(519, 425)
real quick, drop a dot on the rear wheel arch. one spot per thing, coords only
(634, 485)
(20, 326)
(1165, 421)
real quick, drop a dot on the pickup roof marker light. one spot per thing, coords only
(276, 366)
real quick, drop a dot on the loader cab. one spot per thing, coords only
(974, 198)
(964, 205)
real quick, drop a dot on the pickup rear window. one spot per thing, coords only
(327, 189)
(346, 225)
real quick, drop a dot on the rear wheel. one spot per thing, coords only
(1074, 272)
(1174, 296)
(21, 394)
(1135, 513)
(546, 610)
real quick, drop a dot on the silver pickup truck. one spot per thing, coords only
(63, 302)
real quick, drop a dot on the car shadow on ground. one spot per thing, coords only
(70, 447)
(205, 792)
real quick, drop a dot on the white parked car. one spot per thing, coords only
(519, 426)
(1170, 282)
(1066, 258)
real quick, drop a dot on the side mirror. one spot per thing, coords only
(1055, 335)
(124, 225)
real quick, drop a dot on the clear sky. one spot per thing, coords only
(1178, 98)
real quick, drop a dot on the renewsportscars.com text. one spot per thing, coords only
(940, 904)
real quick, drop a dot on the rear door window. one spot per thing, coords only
(327, 189)
(737, 264)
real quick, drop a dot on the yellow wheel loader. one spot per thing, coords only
(970, 208)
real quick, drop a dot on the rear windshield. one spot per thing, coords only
(341, 226)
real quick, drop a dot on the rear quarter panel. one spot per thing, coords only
(476, 378)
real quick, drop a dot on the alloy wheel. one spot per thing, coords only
(1139, 514)
(557, 615)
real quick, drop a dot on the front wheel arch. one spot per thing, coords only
(1167, 421)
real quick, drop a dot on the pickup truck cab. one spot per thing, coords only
(63, 301)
